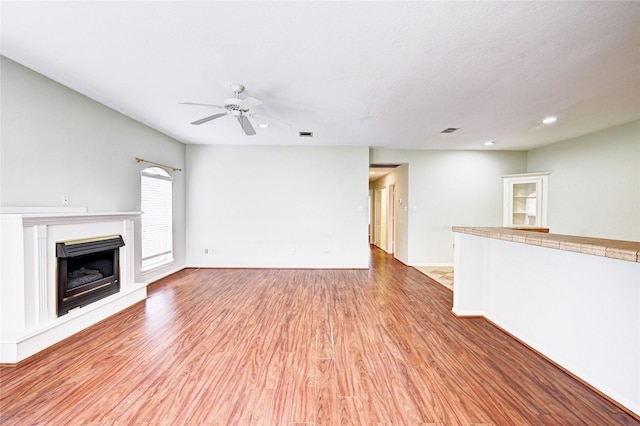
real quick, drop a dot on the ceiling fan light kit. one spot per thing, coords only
(240, 109)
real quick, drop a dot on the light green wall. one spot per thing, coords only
(277, 206)
(447, 188)
(594, 187)
(57, 142)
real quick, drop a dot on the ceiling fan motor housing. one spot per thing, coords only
(233, 104)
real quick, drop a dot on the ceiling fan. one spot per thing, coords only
(238, 108)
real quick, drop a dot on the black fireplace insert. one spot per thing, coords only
(88, 270)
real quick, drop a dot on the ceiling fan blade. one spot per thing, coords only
(246, 125)
(249, 102)
(269, 119)
(195, 103)
(209, 118)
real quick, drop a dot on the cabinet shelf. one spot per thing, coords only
(525, 201)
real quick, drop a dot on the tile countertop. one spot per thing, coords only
(615, 249)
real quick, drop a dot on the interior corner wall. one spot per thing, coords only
(594, 185)
(399, 178)
(56, 142)
(277, 206)
(450, 188)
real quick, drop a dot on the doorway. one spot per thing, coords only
(382, 218)
(388, 220)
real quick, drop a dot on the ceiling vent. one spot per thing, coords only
(450, 129)
(305, 134)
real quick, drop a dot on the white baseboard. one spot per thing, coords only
(301, 266)
(462, 313)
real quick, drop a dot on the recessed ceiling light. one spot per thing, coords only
(264, 125)
(550, 120)
(372, 173)
(489, 143)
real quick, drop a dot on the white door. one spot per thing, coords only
(371, 218)
(376, 217)
(384, 204)
(391, 228)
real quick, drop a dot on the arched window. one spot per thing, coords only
(157, 218)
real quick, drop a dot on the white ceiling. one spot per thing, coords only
(383, 74)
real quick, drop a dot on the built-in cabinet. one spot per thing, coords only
(525, 200)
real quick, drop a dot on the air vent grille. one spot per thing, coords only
(305, 134)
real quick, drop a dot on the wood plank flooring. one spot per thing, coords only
(296, 347)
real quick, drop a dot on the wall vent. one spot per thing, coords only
(450, 129)
(305, 134)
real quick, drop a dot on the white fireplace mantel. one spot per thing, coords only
(28, 314)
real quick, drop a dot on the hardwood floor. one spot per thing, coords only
(283, 347)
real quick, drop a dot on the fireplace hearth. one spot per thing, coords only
(88, 270)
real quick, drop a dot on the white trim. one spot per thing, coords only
(469, 313)
(526, 175)
(301, 266)
(76, 218)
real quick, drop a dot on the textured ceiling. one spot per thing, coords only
(382, 74)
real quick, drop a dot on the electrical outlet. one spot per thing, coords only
(65, 200)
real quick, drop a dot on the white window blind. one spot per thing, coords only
(157, 217)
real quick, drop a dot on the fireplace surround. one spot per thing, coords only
(29, 320)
